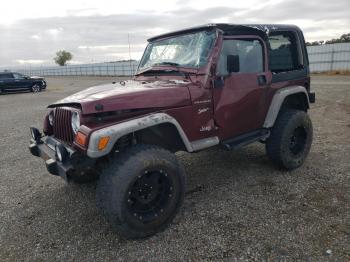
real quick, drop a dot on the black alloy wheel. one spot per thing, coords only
(297, 140)
(150, 194)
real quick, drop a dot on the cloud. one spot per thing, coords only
(36, 37)
(30, 61)
(54, 31)
(104, 38)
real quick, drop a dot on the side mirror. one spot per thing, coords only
(232, 63)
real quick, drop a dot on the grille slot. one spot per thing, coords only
(62, 128)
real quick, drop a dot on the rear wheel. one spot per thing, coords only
(36, 88)
(290, 139)
(142, 191)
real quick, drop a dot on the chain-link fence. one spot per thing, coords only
(331, 57)
(122, 68)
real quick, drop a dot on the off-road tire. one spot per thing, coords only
(120, 188)
(290, 139)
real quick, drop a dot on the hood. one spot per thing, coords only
(36, 77)
(129, 95)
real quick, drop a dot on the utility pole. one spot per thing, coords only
(129, 54)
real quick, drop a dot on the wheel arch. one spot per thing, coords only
(165, 135)
(159, 129)
(292, 97)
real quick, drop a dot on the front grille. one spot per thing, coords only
(62, 127)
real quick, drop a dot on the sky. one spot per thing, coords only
(98, 31)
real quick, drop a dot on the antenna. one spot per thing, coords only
(129, 53)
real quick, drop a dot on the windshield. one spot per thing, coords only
(191, 50)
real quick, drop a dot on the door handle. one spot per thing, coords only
(262, 80)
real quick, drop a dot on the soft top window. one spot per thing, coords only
(283, 53)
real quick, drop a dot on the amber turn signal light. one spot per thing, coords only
(102, 143)
(80, 139)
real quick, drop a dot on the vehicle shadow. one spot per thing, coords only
(212, 168)
(15, 92)
(65, 210)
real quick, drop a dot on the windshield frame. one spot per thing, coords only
(189, 69)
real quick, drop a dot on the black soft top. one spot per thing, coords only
(232, 29)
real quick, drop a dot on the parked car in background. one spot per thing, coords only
(11, 81)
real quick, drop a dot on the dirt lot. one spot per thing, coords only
(237, 206)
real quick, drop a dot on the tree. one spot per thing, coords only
(62, 57)
(314, 43)
(345, 38)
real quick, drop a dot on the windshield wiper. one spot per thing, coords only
(167, 63)
(150, 69)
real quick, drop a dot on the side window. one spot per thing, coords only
(284, 55)
(6, 76)
(17, 76)
(249, 51)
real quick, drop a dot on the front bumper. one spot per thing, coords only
(44, 84)
(46, 149)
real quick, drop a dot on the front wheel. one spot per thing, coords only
(290, 139)
(142, 191)
(36, 88)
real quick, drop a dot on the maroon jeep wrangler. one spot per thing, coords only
(218, 84)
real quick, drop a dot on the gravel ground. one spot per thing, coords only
(238, 207)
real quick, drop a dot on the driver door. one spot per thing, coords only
(240, 102)
(20, 81)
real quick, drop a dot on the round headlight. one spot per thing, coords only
(75, 122)
(51, 117)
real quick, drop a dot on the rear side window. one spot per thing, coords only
(5, 76)
(249, 51)
(284, 54)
